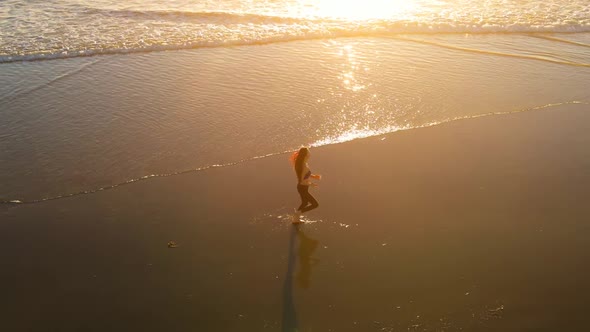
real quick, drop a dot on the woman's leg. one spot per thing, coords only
(308, 199)
(302, 193)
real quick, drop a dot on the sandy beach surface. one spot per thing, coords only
(473, 225)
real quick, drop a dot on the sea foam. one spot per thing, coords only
(47, 31)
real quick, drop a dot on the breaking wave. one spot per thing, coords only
(260, 30)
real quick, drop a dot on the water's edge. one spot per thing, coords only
(16, 201)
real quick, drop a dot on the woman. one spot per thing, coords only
(299, 160)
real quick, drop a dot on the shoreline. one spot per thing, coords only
(19, 201)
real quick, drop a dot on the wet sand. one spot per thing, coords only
(473, 225)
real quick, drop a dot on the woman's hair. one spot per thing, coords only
(297, 159)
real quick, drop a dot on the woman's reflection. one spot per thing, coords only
(306, 248)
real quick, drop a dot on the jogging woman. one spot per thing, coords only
(308, 202)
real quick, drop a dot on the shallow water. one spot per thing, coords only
(82, 124)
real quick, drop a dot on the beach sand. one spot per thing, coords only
(472, 225)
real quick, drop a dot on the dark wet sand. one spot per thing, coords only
(475, 225)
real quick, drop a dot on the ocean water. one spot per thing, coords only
(95, 94)
(69, 28)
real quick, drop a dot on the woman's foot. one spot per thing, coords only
(297, 217)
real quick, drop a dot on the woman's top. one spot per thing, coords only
(306, 180)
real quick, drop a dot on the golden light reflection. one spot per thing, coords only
(356, 133)
(351, 65)
(356, 9)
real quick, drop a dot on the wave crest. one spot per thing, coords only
(201, 17)
(281, 30)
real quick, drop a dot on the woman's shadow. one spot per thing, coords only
(306, 248)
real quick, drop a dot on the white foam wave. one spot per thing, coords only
(280, 34)
(199, 17)
(56, 29)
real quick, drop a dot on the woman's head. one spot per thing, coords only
(303, 153)
(298, 158)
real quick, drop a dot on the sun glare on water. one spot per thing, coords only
(355, 9)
